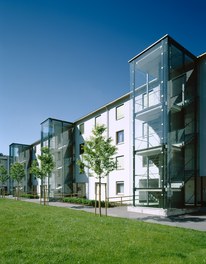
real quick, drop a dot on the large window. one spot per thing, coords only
(120, 162)
(120, 137)
(119, 112)
(120, 187)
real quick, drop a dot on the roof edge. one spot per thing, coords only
(55, 119)
(104, 106)
(172, 40)
(201, 56)
(165, 36)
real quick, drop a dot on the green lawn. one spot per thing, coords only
(31, 233)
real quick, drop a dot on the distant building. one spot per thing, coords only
(4, 161)
(158, 128)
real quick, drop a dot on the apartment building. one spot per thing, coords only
(158, 128)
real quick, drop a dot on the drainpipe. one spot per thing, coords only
(107, 111)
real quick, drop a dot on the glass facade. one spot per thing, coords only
(163, 83)
(20, 153)
(58, 136)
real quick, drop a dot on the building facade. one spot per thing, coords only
(158, 128)
(115, 116)
(165, 132)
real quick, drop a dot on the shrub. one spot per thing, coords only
(29, 196)
(84, 201)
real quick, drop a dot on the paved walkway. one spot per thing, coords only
(196, 221)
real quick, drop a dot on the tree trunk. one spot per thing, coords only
(18, 192)
(100, 196)
(2, 191)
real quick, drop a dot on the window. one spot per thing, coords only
(119, 112)
(120, 187)
(81, 128)
(81, 148)
(58, 155)
(120, 137)
(120, 162)
(97, 120)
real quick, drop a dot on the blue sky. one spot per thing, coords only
(64, 58)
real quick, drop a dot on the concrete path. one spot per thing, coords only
(196, 221)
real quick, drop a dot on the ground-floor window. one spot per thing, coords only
(120, 187)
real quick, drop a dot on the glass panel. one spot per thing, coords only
(58, 136)
(176, 61)
(149, 83)
(120, 137)
(120, 187)
(181, 150)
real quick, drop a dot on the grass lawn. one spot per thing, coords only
(32, 233)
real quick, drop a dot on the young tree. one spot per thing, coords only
(17, 173)
(3, 178)
(44, 168)
(97, 155)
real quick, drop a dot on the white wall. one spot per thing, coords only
(38, 152)
(108, 118)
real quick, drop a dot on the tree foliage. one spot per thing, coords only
(3, 175)
(17, 172)
(98, 153)
(3, 178)
(44, 168)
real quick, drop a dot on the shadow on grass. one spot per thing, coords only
(194, 217)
